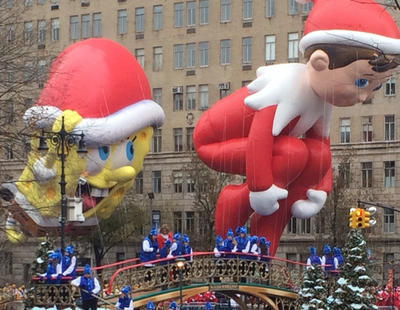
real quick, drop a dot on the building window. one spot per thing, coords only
(28, 2)
(157, 95)
(28, 32)
(11, 33)
(247, 50)
(223, 93)
(139, 54)
(157, 58)
(293, 46)
(74, 27)
(367, 128)
(41, 32)
(388, 220)
(9, 152)
(292, 226)
(41, 72)
(189, 139)
(305, 226)
(139, 19)
(270, 8)
(293, 7)
(247, 9)
(191, 13)
(203, 51)
(366, 174)
(158, 17)
(390, 89)
(178, 102)
(191, 55)
(156, 177)
(139, 183)
(179, 14)
(178, 56)
(10, 4)
(156, 219)
(225, 52)
(157, 141)
(191, 97)
(345, 130)
(86, 30)
(190, 185)
(122, 22)
(225, 11)
(178, 139)
(97, 25)
(189, 222)
(203, 92)
(390, 173)
(178, 221)
(344, 173)
(307, 7)
(270, 48)
(178, 181)
(204, 12)
(389, 128)
(55, 29)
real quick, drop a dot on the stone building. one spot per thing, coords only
(198, 51)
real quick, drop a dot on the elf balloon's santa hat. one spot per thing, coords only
(102, 81)
(363, 23)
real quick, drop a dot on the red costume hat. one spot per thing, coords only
(102, 81)
(363, 23)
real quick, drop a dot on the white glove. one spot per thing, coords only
(266, 202)
(304, 209)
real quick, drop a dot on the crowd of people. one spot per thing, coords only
(11, 292)
(330, 261)
(388, 296)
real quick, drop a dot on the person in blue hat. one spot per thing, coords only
(176, 247)
(264, 248)
(149, 248)
(187, 249)
(328, 261)
(208, 306)
(165, 250)
(173, 305)
(243, 243)
(89, 286)
(219, 246)
(254, 248)
(125, 302)
(69, 262)
(338, 255)
(314, 259)
(150, 306)
(230, 242)
(53, 273)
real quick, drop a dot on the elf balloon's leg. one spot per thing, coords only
(233, 207)
(318, 165)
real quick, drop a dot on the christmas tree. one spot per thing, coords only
(313, 292)
(354, 286)
(39, 265)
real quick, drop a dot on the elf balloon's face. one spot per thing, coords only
(346, 86)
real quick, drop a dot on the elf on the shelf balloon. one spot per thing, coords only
(98, 89)
(275, 131)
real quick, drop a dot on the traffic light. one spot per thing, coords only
(369, 221)
(352, 218)
(359, 217)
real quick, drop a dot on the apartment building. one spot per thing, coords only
(195, 52)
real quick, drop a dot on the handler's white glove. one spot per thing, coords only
(266, 202)
(304, 209)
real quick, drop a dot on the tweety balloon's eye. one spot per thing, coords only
(104, 152)
(361, 83)
(130, 150)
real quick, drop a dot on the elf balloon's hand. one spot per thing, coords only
(266, 202)
(304, 209)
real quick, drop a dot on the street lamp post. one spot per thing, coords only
(63, 140)
(180, 263)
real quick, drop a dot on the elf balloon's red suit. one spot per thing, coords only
(275, 131)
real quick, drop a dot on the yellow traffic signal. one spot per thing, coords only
(366, 219)
(352, 218)
(356, 219)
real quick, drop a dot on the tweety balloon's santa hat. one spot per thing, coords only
(363, 23)
(102, 81)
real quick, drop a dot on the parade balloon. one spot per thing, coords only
(100, 94)
(275, 131)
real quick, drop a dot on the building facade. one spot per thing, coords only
(195, 52)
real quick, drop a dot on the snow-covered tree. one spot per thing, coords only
(354, 286)
(313, 292)
(39, 265)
